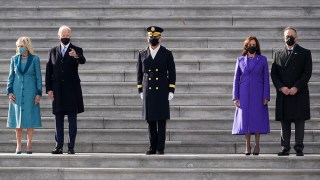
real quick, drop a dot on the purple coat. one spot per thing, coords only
(251, 86)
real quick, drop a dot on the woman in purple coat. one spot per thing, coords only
(251, 93)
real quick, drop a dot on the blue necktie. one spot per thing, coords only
(63, 51)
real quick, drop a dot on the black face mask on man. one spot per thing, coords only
(65, 41)
(251, 49)
(290, 40)
(153, 41)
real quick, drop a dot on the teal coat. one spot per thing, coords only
(24, 85)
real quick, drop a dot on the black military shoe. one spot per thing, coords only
(57, 151)
(284, 152)
(160, 152)
(151, 151)
(71, 151)
(299, 153)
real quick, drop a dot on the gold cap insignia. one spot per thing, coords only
(153, 28)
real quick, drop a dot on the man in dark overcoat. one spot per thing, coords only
(290, 73)
(63, 87)
(156, 77)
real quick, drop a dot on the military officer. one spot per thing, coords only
(156, 77)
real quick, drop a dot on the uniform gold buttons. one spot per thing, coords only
(149, 79)
(156, 69)
(149, 87)
(157, 88)
(149, 70)
(157, 78)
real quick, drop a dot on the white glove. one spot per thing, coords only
(170, 96)
(141, 95)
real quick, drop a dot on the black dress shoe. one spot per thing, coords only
(151, 151)
(299, 153)
(57, 151)
(71, 151)
(284, 152)
(160, 152)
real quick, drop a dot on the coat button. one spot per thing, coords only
(149, 79)
(157, 88)
(156, 69)
(149, 70)
(157, 79)
(149, 87)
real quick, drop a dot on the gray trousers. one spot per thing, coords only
(286, 134)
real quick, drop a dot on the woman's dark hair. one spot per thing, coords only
(245, 45)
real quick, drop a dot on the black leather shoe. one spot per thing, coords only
(57, 151)
(299, 153)
(71, 151)
(160, 152)
(151, 151)
(284, 152)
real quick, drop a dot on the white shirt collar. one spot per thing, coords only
(153, 52)
(62, 45)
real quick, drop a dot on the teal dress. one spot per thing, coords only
(25, 82)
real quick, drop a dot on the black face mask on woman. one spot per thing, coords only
(251, 49)
(154, 42)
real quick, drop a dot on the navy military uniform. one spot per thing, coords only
(156, 79)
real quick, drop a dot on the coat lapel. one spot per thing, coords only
(294, 54)
(255, 62)
(159, 54)
(29, 62)
(19, 63)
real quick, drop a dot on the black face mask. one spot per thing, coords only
(65, 41)
(290, 41)
(154, 42)
(251, 49)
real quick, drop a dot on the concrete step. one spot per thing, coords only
(181, 64)
(174, 123)
(178, 53)
(182, 76)
(119, 21)
(179, 99)
(158, 173)
(170, 31)
(181, 147)
(181, 87)
(161, 10)
(153, 2)
(176, 111)
(87, 135)
(169, 42)
(183, 161)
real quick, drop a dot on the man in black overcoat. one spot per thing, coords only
(290, 73)
(63, 87)
(156, 77)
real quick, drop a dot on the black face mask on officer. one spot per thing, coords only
(290, 40)
(153, 41)
(251, 49)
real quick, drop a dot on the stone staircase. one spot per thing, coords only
(205, 37)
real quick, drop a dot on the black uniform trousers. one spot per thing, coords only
(157, 134)
(286, 134)
(59, 136)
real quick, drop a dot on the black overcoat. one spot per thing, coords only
(63, 79)
(292, 71)
(156, 78)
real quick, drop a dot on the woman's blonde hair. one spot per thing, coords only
(25, 42)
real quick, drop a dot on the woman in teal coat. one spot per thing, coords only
(24, 89)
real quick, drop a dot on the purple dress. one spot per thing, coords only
(251, 86)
